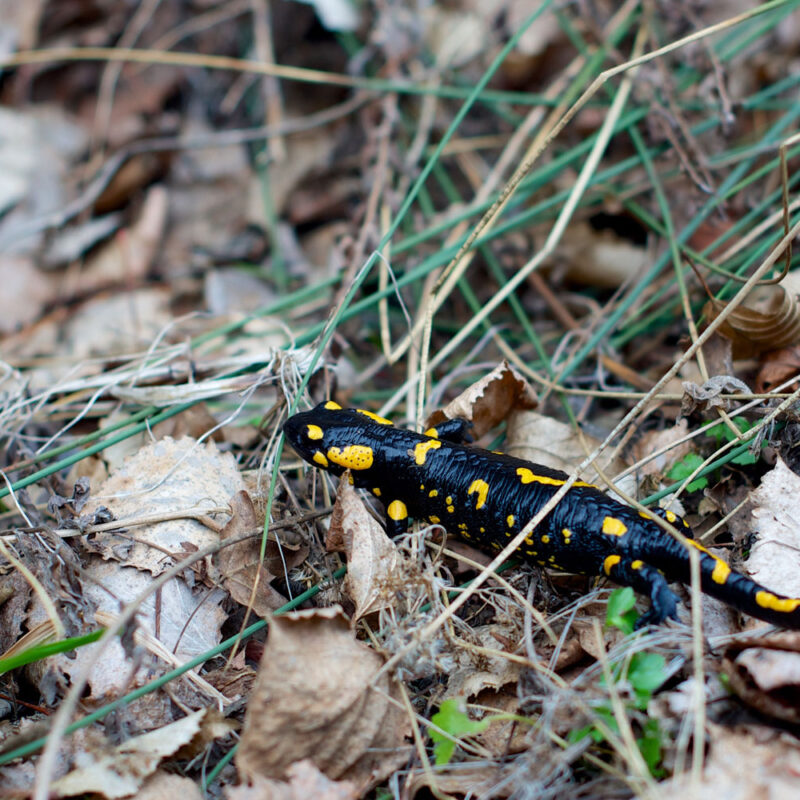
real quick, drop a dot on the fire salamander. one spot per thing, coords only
(487, 498)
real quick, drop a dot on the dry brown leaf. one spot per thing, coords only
(767, 319)
(477, 671)
(489, 400)
(599, 258)
(555, 444)
(120, 772)
(702, 398)
(166, 476)
(188, 624)
(241, 565)
(654, 440)
(26, 291)
(778, 366)
(304, 781)
(373, 565)
(166, 786)
(773, 559)
(504, 736)
(742, 765)
(313, 699)
(763, 670)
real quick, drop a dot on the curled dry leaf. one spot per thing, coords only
(768, 319)
(122, 770)
(241, 565)
(489, 400)
(304, 781)
(777, 368)
(162, 478)
(741, 765)
(374, 567)
(166, 786)
(765, 674)
(314, 698)
(554, 444)
(701, 398)
(477, 671)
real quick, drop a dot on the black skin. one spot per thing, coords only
(474, 493)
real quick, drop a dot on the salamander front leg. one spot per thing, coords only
(647, 580)
(396, 518)
(456, 430)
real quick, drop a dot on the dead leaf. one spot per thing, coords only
(374, 568)
(26, 291)
(313, 699)
(763, 670)
(477, 671)
(166, 786)
(742, 765)
(777, 367)
(702, 398)
(304, 781)
(489, 400)
(164, 477)
(767, 319)
(121, 772)
(180, 624)
(599, 258)
(241, 565)
(772, 560)
(655, 440)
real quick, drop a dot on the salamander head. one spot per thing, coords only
(333, 438)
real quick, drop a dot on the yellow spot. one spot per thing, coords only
(771, 601)
(350, 480)
(315, 432)
(528, 476)
(483, 530)
(397, 510)
(614, 527)
(451, 509)
(697, 546)
(331, 406)
(685, 523)
(434, 520)
(545, 539)
(721, 571)
(376, 491)
(609, 563)
(482, 488)
(354, 456)
(448, 499)
(320, 459)
(433, 493)
(552, 560)
(498, 452)
(671, 516)
(637, 564)
(422, 487)
(528, 540)
(510, 520)
(374, 417)
(421, 450)
(432, 432)
(566, 533)
(644, 516)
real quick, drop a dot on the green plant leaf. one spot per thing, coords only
(452, 718)
(649, 745)
(684, 468)
(620, 611)
(40, 651)
(647, 671)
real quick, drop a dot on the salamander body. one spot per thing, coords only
(487, 498)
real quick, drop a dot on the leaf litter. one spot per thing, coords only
(135, 195)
